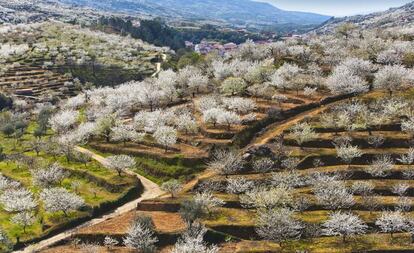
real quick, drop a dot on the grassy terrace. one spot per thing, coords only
(236, 221)
(325, 245)
(157, 170)
(91, 188)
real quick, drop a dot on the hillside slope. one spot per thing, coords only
(29, 11)
(240, 12)
(401, 16)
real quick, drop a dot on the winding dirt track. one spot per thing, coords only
(151, 190)
(277, 128)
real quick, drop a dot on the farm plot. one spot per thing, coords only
(43, 191)
(328, 174)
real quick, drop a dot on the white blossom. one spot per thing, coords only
(344, 81)
(64, 120)
(226, 162)
(391, 222)
(348, 152)
(391, 78)
(173, 187)
(238, 185)
(50, 176)
(343, 224)
(192, 241)
(126, 133)
(275, 197)
(381, 166)
(140, 238)
(120, 163)
(303, 132)
(18, 200)
(277, 225)
(23, 219)
(166, 136)
(60, 199)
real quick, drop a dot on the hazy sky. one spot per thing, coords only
(337, 7)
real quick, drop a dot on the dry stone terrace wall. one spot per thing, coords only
(36, 83)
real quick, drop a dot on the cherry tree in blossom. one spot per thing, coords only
(120, 163)
(166, 136)
(60, 199)
(343, 224)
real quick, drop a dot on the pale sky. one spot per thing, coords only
(337, 7)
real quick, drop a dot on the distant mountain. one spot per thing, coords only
(400, 16)
(235, 12)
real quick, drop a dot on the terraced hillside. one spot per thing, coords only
(373, 186)
(43, 64)
(22, 164)
(52, 56)
(300, 145)
(37, 83)
(299, 177)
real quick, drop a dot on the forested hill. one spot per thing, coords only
(394, 17)
(240, 12)
(158, 33)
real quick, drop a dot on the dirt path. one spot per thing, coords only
(277, 128)
(187, 187)
(151, 190)
(158, 65)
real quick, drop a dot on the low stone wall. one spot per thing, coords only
(154, 205)
(106, 207)
(245, 137)
(169, 160)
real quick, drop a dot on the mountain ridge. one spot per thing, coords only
(397, 16)
(244, 12)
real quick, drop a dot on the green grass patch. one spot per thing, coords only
(158, 171)
(93, 193)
